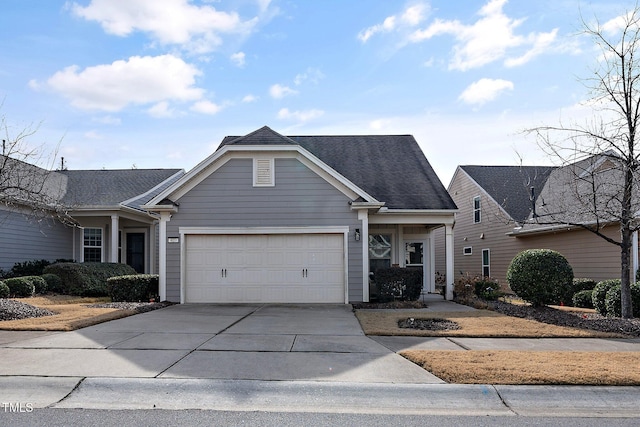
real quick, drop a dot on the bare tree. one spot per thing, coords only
(25, 187)
(596, 186)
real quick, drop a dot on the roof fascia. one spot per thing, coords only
(414, 216)
(126, 202)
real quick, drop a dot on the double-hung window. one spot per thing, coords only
(476, 210)
(93, 245)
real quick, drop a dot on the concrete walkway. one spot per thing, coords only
(270, 357)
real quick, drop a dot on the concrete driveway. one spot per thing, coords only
(205, 341)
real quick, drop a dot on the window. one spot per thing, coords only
(467, 250)
(486, 259)
(93, 245)
(413, 254)
(379, 251)
(263, 173)
(476, 209)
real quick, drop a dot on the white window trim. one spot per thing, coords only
(464, 250)
(261, 179)
(479, 210)
(102, 248)
(488, 265)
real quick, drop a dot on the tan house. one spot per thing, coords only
(498, 206)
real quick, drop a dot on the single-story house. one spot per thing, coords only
(504, 210)
(273, 218)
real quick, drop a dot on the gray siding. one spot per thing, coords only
(23, 238)
(227, 198)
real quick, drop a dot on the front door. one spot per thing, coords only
(135, 251)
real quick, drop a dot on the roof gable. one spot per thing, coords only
(391, 168)
(510, 186)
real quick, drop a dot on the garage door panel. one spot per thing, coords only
(265, 268)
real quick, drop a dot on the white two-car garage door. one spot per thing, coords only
(280, 268)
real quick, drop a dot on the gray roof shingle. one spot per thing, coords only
(109, 188)
(510, 186)
(391, 168)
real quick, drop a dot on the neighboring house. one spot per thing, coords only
(266, 218)
(96, 202)
(271, 218)
(496, 221)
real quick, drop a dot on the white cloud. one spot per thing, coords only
(138, 80)
(312, 75)
(206, 107)
(411, 16)
(161, 110)
(301, 116)
(490, 38)
(249, 98)
(238, 59)
(279, 91)
(197, 28)
(485, 90)
(107, 120)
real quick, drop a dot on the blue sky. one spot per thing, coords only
(146, 84)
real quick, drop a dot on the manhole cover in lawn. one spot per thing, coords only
(428, 324)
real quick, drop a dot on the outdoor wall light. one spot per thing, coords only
(357, 235)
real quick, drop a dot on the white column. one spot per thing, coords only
(449, 261)
(634, 241)
(162, 261)
(432, 263)
(113, 252)
(363, 216)
(152, 248)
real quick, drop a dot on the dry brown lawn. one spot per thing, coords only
(530, 367)
(71, 314)
(480, 323)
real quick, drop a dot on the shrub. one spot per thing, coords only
(539, 276)
(467, 289)
(20, 286)
(4, 290)
(577, 285)
(613, 300)
(404, 284)
(488, 289)
(28, 268)
(600, 294)
(88, 279)
(54, 283)
(135, 287)
(583, 299)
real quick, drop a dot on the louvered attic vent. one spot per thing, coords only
(263, 173)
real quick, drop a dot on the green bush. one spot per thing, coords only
(488, 289)
(404, 284)
(20, 286)
(583, 299)
(4, 290)
(28, 268)
(539, 276)
(578, 284)
(613, 300)
(88, 279)
(600, 294)
(54, 283)
(134, 288)
(467, 289)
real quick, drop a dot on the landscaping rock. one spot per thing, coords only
(13, 310)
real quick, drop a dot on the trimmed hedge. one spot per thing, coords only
(395, 283)
(600, 294)
(539, 276)
(32, 268)
(88, 279)
(54, 283)
(4, 290)
(613, 300)
(21, 287)
(578, 284)
(133, 288)
(583, 299)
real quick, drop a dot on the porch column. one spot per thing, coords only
(162, 261)
(432, 263)
(113, 252)
(634, 241)
(449, 261)
(363, 216)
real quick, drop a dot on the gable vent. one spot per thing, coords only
(263, 173)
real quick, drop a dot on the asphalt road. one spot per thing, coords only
(155, 418)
